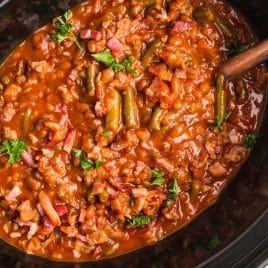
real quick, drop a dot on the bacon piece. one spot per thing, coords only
(164, 163)
(139, 192)
(85, 34)
(114, 45)
(13, 194)
(49, 209)
(27, 158)
(161, 71)
(61, 210)
(97, 188)
(69, 141)
(96, 35)
(217, 169)
(181, 26)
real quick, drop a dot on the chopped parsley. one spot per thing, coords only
(214, 242)
(13, 149)
(236, 49)
(85, 163)
(139, 221)
(173, 193)
(249, 140)
(158, 177)
(220, 122)
(109, 60)
(64, 29)
(107, 134)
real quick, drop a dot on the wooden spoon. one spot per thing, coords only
(245, 61)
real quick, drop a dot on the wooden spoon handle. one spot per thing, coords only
(244, 61)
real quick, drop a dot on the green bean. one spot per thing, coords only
(241, 91)
(203, 14)
(131, 112)
(221, 99)
(155, 123)
(91, 73)
(224, 27)
(149, 56)
(113, 116)
(206, 14)
(26, 122)
(5, 80)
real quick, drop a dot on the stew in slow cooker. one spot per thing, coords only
(116, 129)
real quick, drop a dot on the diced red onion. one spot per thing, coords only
(69, 141)
(27, 158)
(181, 26)
(13, 194)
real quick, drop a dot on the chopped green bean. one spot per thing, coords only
(91, 73)
(155, 123)
(113, 116)
(221, 98)
(131, 112)
(149, 55)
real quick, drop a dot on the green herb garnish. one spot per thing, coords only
(13, 149)
(139, 221)
(173, 193)
(85, 163)
(109, 60)
(220, 122)
(236, 49)
(249, 140)
(158, 177)
(64, 29)
(106, 134)
(214, 242)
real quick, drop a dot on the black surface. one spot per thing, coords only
(239, 219)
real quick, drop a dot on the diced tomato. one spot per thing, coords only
(114, 45)
(60, 108)
(96, 35)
